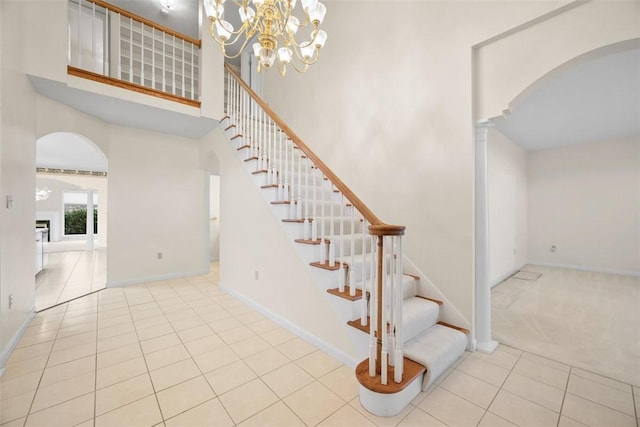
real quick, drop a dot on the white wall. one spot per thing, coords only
(398, 104)
(157, 203)
(513, 62)
(214, 217)
(585, 200)
(402, 103)
(507, 191)
(253, 240)
(17, 180)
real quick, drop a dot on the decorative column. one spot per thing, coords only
(484, 342)
(90, 207)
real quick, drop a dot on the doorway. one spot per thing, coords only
(71, 205)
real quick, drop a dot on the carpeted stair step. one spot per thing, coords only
(437, 348)
(418, 314)
(409, 289)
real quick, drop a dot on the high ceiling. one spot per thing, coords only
(596, 99)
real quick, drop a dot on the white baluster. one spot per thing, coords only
(307, 224)
(183, 60)
(343, 273)
(385, 298)
(299, 190)
(193, 68)
(164, 62)
(93, 32)
(80, 34)
(365, 281)
(314, 223)
(293, 186)
(373, 321)
(399, 359)
(323, 238)
(153, 57)
(286, 189)
(352, 270)
(332, 256)
(173, 72)
(142, 55)
(130, 50)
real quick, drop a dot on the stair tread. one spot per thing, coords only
(411, 371)
(417, 316)
(346, 294)
(437, 348)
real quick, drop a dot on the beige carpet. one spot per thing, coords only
(590, 320)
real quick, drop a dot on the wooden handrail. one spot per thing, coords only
(89, 75)
(380, 227)
(145, 21)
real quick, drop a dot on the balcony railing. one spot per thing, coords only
(130, 51)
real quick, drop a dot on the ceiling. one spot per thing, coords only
(64, 150)
(183, 16)
(596, 99)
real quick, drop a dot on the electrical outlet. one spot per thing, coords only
(10, 300)
(553, 248)
(159, 255)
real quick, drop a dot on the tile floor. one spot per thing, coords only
(69, 275)
(582, 318)
(184, 353)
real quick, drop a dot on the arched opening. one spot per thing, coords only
(562, 220)
(71, 213)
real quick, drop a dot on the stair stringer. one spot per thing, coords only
(283, 265)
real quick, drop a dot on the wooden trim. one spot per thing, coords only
(250, 159)
(146, 21)
(325, 265)
(411, 371)
(386, 230)
(281, 202)
(437, 301)
(346, 294)
(415, 276)
(337, 182)
(269, 186)
(229, 127)
(236, 136)
(458, 328)
(77, 72)
(244, 147)
(309, 241)
(258, 172)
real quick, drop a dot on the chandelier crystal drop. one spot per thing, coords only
(274, 27)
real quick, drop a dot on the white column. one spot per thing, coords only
(483, 339)
(90, 220)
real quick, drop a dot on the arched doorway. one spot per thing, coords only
(579, 135)
(71, 205)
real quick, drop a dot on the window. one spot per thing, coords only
(75, 213)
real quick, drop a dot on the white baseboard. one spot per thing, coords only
(583, 268)
(505, 276)
(302, 333)
(11, 345)
(171, 276)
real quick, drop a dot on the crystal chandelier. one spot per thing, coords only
(276, 26)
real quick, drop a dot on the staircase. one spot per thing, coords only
(355, 255)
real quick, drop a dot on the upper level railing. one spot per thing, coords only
(351, 238)
(112, 45)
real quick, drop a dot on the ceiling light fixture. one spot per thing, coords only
(167, 5)
(275, 26)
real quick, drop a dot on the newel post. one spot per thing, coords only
(387, 288)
